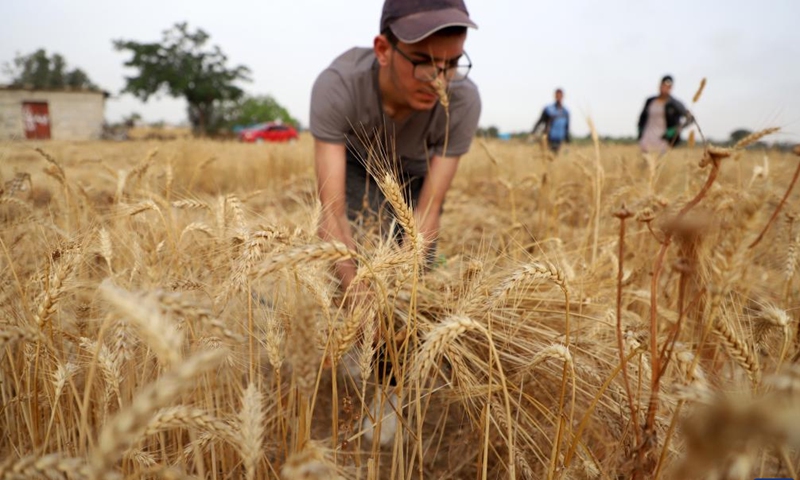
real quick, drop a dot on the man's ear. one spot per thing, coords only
(381, 46)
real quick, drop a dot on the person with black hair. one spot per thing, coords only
(662, 119)
(408, 100)
(385, 99)
(554, 123)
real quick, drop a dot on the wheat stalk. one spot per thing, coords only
(16, 201)
(57, 172)
(55, 290)
(190, 204)
(754, 137)
(699, 91)
(128, 425)
(196, 227)
(181, 416)
(273, 339)
(11, 335)
(738, 349)
(159, 332)
(302, 353)
(236, 210)
(329, 251)
(251, 428)
(527, 273)
(139, 170)
(438, 339)
(791, 258)
(405, 216)
(44, 466)
(109, 365)
(360, 316)
(310, 463)
(144, 206)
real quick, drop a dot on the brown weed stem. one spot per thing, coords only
(622, 214)
(778, 209)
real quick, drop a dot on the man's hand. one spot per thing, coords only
(429, 205)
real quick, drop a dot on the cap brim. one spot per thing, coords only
(418, 26)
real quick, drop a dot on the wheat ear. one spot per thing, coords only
(251, 428)
(527, 273)
(441, 336)
(699, 91)
(402, 210)
(160, 333)
(182, 416)
(128, 424)
(754, 137)
(738, 349)
(309, 463)
(328, 251)
(55, 290)
(44, 466)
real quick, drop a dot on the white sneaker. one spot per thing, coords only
(385, 415)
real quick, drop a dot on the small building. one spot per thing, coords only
(60, 114)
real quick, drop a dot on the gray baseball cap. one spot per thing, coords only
(412, 21)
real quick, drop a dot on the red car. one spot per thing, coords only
(269, 132)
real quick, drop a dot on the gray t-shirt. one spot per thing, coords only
(346, 108)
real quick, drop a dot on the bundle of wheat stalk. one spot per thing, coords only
(164, 319)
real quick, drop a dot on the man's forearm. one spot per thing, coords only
(431, 198)
(337, 228)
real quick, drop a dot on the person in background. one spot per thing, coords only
(555, 123)
(662, 119)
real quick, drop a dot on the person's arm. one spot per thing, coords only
(643, 118)
(686, 114)
(431, 197)
(568, 137)
(330, 164)
(543, 120)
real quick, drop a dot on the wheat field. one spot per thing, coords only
(168, 311)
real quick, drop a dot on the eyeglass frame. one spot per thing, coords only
(430, 63)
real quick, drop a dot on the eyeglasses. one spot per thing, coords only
(428, 71)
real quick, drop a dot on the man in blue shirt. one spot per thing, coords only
(555, 121)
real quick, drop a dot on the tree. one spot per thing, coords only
(739, 134)
(181, 65)
(40, 71)
(490, 132)
(249, 110)
(130, 121)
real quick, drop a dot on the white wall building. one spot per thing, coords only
(60, 114)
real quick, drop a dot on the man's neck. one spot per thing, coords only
(392, 105)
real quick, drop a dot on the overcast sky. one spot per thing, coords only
(608, 55)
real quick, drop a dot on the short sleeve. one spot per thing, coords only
(330, 105)
(465, 111)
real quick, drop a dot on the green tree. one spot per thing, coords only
(489, 132)
(183, 66)
(739, 134)
(249, 110)
(42, 71)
